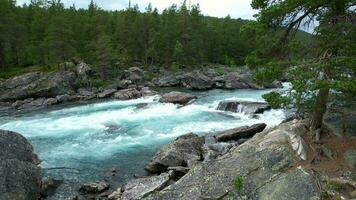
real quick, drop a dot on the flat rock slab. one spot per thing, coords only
(177, 98)
(141, 187)
(240, 132)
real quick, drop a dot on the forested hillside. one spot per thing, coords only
(48, 33)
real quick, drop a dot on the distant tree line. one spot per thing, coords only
(45, 33)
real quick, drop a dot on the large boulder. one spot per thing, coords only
(83, 72)
(177, 98)
(238, 80)
(127, 94)
(246, 107)
(106, 93)
(266, 166)
(197, 80)
(20, 177)
(93, 187)
(183, 151)
(135, 75)
(37, 85)
(167, 81)
(141, 187)
(241, 132)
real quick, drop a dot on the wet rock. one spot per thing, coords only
(241, 132)
(106, 93)
(183, 151)
(177, 98)
(141, 187)
(141, 105)
(93, 187)
(146, 91)
(50, 101)
(246, 107)
(63, 98)
(197, 80)
(37, 103)
(20, 177)
(127, 94)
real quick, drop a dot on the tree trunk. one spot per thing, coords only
(320, 108)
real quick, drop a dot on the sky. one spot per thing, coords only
(221, 8)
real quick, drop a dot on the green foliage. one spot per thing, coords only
(316, 65)
(238, 183)
(174, 67)
(266, 75)
(45, 32)
(276, 100)
(149, 75)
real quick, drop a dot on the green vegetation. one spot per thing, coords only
(238, 183)
(45, 33)
(315, 67)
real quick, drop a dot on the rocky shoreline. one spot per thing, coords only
(38, 90)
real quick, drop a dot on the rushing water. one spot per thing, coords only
(82, 143)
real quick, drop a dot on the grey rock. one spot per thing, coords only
(177, 98)
(262, 160)
(141, 187)
(197, 80)
(45, 85)
(15, 146)
(167, 81)
(83, 68)
(284, 187)
(127, 94)
(107, 93)
(20, 81)
(33, 104)
(181, 152)
(146, 91)
(93, 187)
(85, 92)
(246, 107)
(19, 180)
(63, 98)
(20, 177)
(240, 132)
(50, 101)
(135, 75)
(116, 195)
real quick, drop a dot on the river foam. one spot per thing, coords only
(90, 137)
